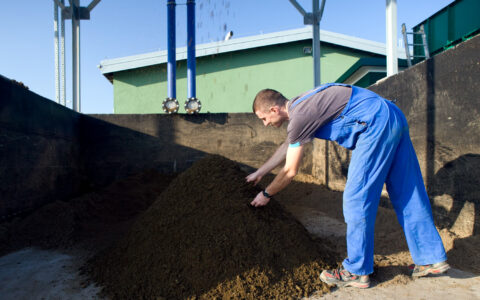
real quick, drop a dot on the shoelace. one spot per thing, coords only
(337, 273)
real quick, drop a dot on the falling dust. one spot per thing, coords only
(213, 18)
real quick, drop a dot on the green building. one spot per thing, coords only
(230, 73)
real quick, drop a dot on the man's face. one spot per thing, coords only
(272, 117)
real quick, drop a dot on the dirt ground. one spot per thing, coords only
(109, 226)
(306, 199)
(320, 211)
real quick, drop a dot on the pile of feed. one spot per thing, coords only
(94, 219)
(201, 239)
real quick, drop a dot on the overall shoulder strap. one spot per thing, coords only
(316, 90)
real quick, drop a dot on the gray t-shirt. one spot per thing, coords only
(308, 116)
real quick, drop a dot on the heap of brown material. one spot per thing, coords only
(93, 219)
(202, 239)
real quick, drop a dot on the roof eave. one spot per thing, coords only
(110, 66)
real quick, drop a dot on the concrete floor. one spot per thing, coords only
(40, 274)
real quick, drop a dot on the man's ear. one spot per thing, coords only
(274, 109)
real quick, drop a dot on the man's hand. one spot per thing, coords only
(255, 177)
(260, 200)
(283, 178)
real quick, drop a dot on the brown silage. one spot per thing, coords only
(201, 239)
(90, 221)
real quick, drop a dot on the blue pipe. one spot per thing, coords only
(171, 65)
(191, 49)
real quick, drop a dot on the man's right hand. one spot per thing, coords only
(255, 177)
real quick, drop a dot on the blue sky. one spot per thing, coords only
(120, 28)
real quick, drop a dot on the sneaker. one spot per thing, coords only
(438, 268)
(341, 277)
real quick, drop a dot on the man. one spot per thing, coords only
(377, 132)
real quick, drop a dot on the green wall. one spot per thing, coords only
(228, 82)
(449, 26)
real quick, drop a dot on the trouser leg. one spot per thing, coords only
(360, 204)
(369, 166)
(410, 200)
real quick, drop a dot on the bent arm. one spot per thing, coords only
(284, 177)
(276, 159)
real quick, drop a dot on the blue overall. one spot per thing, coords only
(377, 132)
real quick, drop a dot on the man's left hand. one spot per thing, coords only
(260, 200)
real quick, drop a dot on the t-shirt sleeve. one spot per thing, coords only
(306, 118)
(301, 130)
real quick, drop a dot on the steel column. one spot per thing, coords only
(391, 29)
(316, 41)
(56, 48)
(76, 13)
(316, 46)
(191, 67)
(171, 64)
(317, 17)
(62, 58)
(313, 19)
(75, 55)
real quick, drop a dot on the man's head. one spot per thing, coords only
(270, 106)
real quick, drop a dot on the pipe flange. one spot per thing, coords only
(170, 105)
(193, 105)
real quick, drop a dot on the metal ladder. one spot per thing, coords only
(424, 43)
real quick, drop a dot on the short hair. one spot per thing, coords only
(267, 98)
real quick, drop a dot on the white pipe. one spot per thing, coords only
(56, 48)
(391, 28)
(75, 56)
(62, 59)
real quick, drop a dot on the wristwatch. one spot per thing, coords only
(264, 192)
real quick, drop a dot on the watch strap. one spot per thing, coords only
(266, 194)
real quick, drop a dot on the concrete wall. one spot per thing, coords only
(441, 104)
(38, 150)
(441, 100)
(171, 143)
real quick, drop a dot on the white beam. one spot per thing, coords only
(56, 48)
(391, 29)
(63, 100)
(75, 4)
